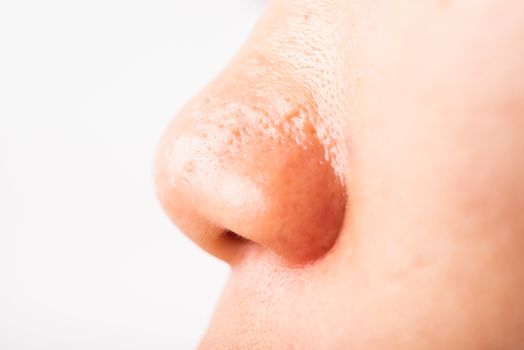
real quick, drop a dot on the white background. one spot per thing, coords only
(87, 258)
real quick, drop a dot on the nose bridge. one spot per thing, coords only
(245, 156)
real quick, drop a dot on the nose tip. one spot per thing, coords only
(233, 174)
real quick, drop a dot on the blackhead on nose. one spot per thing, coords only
(245, 164)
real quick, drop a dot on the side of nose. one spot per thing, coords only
(247, 166)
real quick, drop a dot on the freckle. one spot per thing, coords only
(310, 130)
(189, 166)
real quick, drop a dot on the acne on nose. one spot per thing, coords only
(240, 169)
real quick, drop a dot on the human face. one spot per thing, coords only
(360, 165)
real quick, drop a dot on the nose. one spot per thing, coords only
(245, 164)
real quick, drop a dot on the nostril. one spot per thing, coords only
(236, 245)
(235, 237)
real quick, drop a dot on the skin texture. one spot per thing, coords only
(360, 166)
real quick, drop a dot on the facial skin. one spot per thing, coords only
(360, 165)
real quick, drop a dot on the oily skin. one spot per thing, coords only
(368, 156)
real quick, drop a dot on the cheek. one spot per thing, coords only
(437, 196)
(439, 154)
